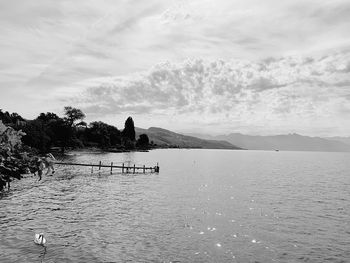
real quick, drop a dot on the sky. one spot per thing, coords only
(196, 66)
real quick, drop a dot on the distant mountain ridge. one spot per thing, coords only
(345, 140)
(290, 142)
(166, 138)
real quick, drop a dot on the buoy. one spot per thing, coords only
(39, 239)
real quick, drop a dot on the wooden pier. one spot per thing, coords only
(123, 168)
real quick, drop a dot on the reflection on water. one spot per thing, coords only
(42, 254)
(204, 206)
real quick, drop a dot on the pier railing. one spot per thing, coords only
(123, 168)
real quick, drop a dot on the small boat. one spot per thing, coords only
(40, 239)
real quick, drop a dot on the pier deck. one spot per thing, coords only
(123, 168)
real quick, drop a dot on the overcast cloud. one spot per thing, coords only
(221, 66)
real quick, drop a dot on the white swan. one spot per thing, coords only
(39, 239)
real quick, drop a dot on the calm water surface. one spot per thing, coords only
(203, 206)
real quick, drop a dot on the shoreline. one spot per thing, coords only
(118, 150)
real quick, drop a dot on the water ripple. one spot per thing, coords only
(232, 206)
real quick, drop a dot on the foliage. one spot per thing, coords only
(73, 114)
(129, 129)
(9, 137)
(36, 135)
(47, 117)
(143, 141)
(10, 119)
(49, 130)
(60, 132)
(103, 134)
(10, 165)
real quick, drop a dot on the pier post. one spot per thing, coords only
(134, 168)
(99, 166)
(111, 167)
(123, 169)
(144, 170)
(92, 169)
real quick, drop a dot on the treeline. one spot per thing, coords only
(49, 130)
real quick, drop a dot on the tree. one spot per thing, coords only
(5, 117)
(73, 114)
(46, 117)
(129, 129)
(143, 140)
(36, 136)
(60, 132)
(16, 117)
(98, 133)
(104, 134)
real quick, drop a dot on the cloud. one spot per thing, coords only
(86, 39)
(267, 92)
(229, 60)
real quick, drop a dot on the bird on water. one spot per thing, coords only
(40, 239)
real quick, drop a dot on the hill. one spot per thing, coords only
(345, 140)
(289, 142)
(166, 138)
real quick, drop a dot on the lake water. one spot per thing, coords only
(203, 206)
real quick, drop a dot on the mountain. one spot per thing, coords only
(166, 138)
(345, 140)
(290, 142)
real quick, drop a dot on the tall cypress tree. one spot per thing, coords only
(129, 129)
